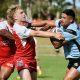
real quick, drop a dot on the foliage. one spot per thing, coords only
(78, 19)
(43, 8)
(4, 4)
(40, 7)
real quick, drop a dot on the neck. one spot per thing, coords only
(23, 23)
(11, 24)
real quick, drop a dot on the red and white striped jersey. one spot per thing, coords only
(7, 48)
(25, 44)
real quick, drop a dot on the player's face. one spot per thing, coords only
(19, 15)
(66, 20)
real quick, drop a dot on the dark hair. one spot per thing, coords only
(35, 16)
(52, 16)
(69, 12)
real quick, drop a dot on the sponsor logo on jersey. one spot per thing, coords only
(9, 64)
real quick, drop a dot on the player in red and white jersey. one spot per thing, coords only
(25, 61)
(7, 49)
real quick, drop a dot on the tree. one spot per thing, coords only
(4, 4)
(59, 5)
(74, 4)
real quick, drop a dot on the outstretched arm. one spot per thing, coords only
(46, 34)
(39, 23)
(49, 25)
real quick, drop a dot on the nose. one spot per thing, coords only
(24, 14)
(61, 20)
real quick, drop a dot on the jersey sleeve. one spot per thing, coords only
(2, 25)
(57, 22)
(22, 31)
(71, 32)
(25, 33)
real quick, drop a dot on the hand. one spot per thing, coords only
(57, 44)
(45, 28)
(59, 36)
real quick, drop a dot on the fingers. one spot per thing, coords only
(59, 36)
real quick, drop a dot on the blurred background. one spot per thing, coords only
(52, 62)
(42, 8)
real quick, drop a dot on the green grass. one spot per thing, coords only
(53, 65)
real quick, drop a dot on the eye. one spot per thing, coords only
(21, 12)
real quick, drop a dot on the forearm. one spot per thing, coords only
(65, 42)
(42, 34)
(6, 34)
(51, 23)
(39, 23)
(45, 28)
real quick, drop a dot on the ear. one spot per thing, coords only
(71, 20)
(15, 17)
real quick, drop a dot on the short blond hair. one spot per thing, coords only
(11, 10)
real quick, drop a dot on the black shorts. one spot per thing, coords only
(73, 63)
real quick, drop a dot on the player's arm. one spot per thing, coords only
(43, 23)
(46, 34)
(59, 43)
(51, 23)
(5, 33)
(25, 32)
(39, 23)
(45, 28)
(69, 35)
(56, 42)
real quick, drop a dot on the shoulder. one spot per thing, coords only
(73, 26)
(3, 25)
(19, 28)
(57, 22)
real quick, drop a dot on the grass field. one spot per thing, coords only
(53, 65)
